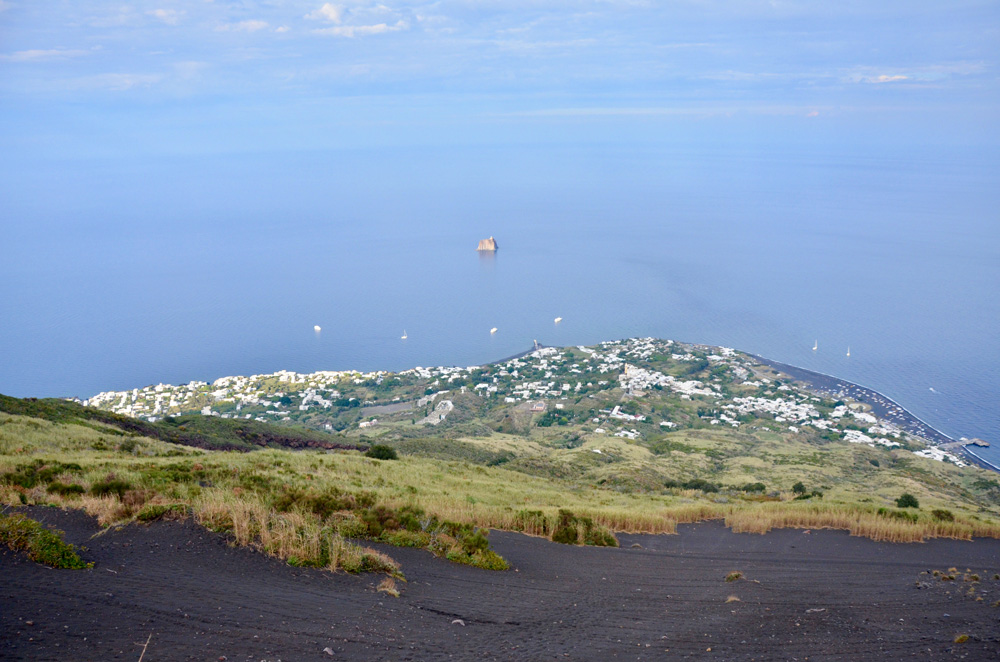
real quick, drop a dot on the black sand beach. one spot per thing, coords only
(820, 595)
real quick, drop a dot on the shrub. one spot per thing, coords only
(754, 487)
(110, 486)
(700, 484)
(733, 576)
(943, 515)
(349, 525)
(898, 514)
(799, 488)
(62, 489)
(39, 471)
(404, 538)
(532, 521)
(487, 559)
(382, 452)
(907, 500)
(566, 534)
(570, 527)
(22, 534)
(475, 542)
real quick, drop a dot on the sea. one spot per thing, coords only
(881, 267)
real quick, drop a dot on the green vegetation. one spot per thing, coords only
(907, 500)
(382, 452)
(41, 545)
(199, 431)
(572, 444)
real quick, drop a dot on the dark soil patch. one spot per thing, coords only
(822, 595)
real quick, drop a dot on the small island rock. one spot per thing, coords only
(488, 244)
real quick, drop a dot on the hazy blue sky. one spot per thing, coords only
(113, 78)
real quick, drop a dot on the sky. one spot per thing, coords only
(158, 78)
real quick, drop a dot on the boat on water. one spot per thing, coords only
(493, 330)
(815, 345)
(316, 327)
(558, 319)
(848, 351)
(403, 337)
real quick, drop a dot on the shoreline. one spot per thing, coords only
(882, 405)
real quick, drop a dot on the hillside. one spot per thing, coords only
(574, 444)
(198, 431)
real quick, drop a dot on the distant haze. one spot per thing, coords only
(188, 187)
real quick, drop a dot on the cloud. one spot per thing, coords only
(116, 82)
(328, 12)
(283, 28)
(361, 30)
(814, 113)
(243, 26)
(933, 73)
(884, 78)
(168, 16)
(39, 55)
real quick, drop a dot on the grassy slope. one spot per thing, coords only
(198, 431)
(534, 477)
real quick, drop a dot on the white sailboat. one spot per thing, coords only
(848, 350)
(815, 345)
(493, 330)
(558, 319)
(403, 337)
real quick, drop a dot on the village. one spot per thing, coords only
(634, 389)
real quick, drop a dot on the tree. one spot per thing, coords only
(907, 500)
(382, 452)
(799, 488)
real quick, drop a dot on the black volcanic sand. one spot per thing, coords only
(822, 595)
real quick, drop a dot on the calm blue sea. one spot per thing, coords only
(121, 274)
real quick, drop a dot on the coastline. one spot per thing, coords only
(882, 405)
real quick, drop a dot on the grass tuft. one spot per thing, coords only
(23, 534)
(388, 585)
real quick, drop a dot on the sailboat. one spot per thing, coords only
(403, 337)
(493, 330)
(848, 350)
(558, 319)
(815, 345)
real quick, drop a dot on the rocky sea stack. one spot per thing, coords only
(487, 244)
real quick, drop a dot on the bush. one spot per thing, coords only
(532, 521)
(898, 514)
(799, 488)
(110, 486)
(566, 534)
(570, 527)
(907, 500)
(62, 489)
(382, 452)
(22, 534)
(734, 576)
(39, 471)
(943, 515)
